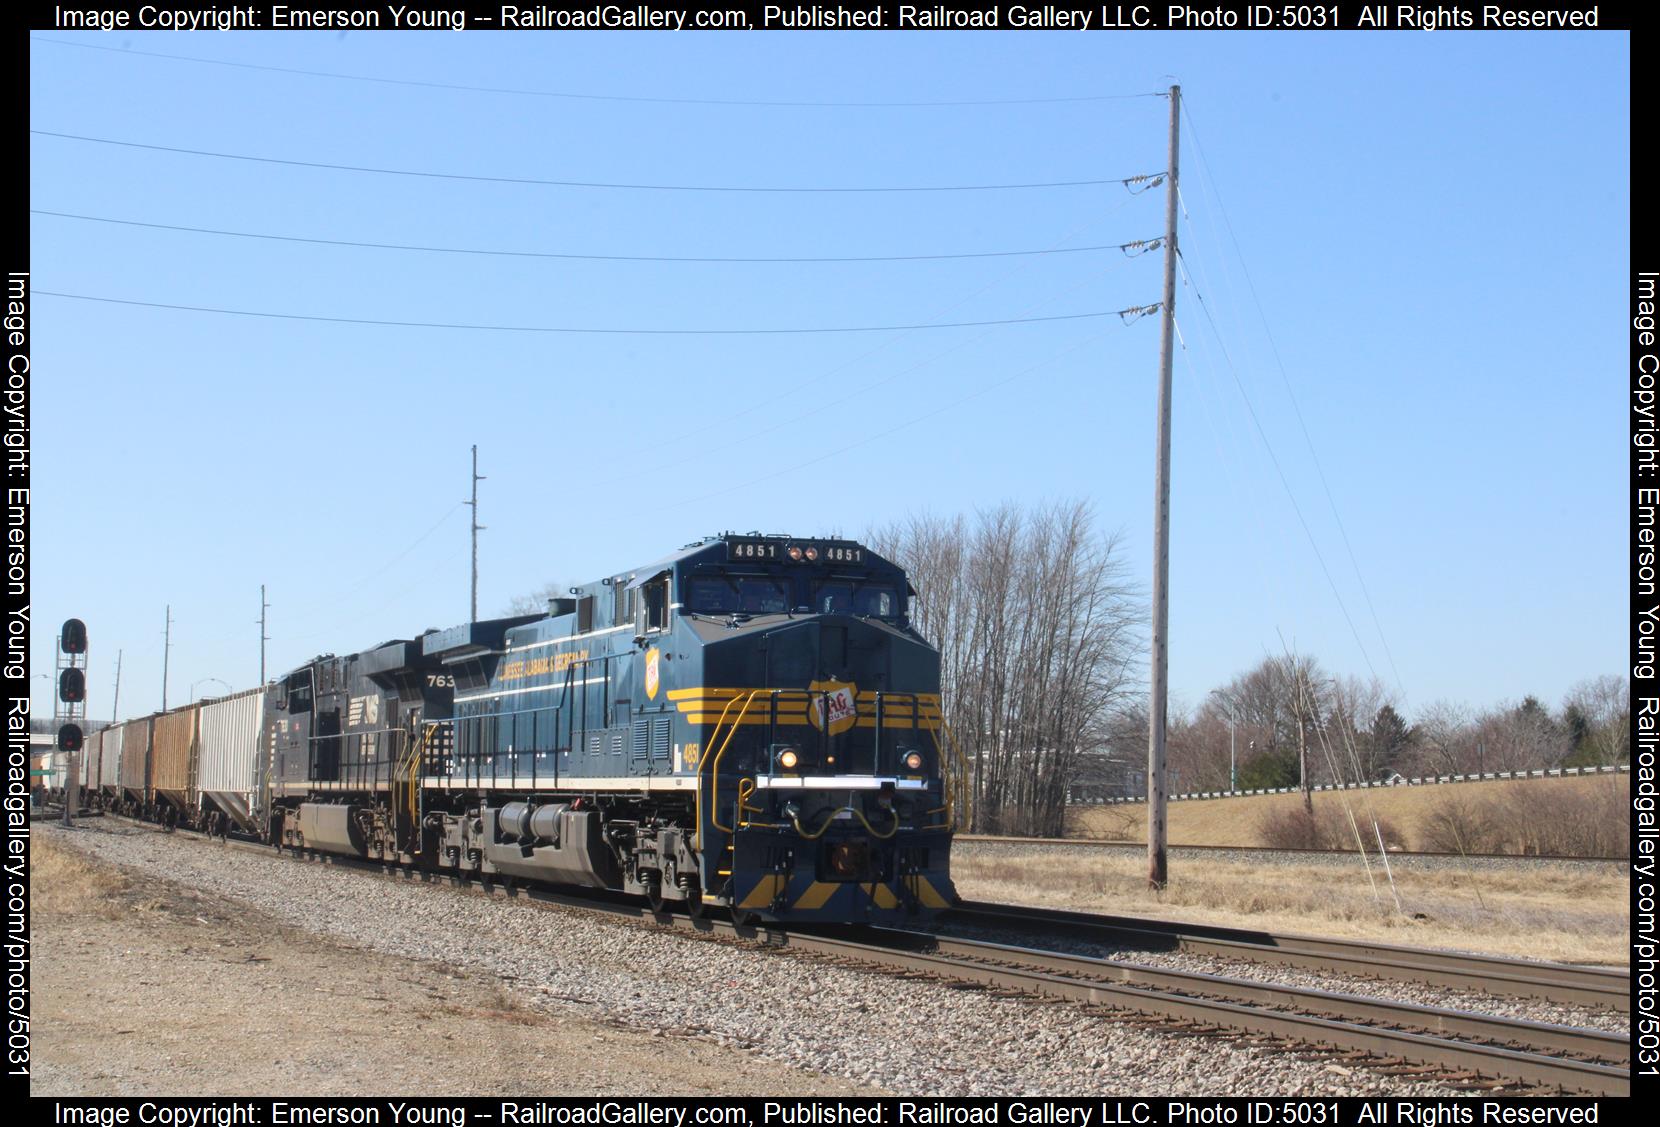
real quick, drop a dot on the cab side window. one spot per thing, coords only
(655, 604)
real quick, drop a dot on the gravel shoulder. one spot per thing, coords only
(145, 987)
(784, 1024)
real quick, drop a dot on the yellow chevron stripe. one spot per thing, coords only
(816, 895)
(928, 894)
(882, 894)
(794, 720)
(683, 694)
(759, 706)
(765, 892)
(728, 693)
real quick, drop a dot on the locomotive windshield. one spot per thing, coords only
(760, 594)
(874, 600)
(738, 594)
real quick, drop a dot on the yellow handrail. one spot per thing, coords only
(714, 764)
(411, 766)
(960, 763)
(795, 820)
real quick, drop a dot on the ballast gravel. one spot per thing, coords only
(1394, 990)
(905, 1035)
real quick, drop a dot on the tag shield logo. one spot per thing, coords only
(834, 706)
(651, 674)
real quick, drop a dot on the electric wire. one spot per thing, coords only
(1331, 501)
(1137, 246)
(1137, 181)
(1285, 483)
(579, 96)
(1129, 313)
(869, 438)
(891, 341)
(818, 407)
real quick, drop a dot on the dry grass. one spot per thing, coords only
(1557, 912)
(1239, 821)
(64, 882)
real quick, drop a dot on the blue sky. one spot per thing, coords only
(1436, 226)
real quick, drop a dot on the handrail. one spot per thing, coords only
(714, 761)
(946, 773)
(795, 820)
(953, 764)
(746, 787)
(714, 769)
(411, 765)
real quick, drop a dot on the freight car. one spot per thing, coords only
(750, 723)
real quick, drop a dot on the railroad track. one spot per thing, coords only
(1472, 1050)
(1602, 987)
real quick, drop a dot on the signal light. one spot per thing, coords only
(69, 737)
(72, 685)
(72, 638)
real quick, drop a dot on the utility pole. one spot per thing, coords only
(115, 705)
(1302, 762)
(1305, 713)
(477, 528)
(166, 651)
(263, 636)
(1158, 706)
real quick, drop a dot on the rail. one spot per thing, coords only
(1555, 982)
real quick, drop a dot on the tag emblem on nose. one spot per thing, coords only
(834, 708)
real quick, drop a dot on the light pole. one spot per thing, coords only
(1233, 759)
(1233, 769)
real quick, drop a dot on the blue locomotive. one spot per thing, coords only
(750, 723)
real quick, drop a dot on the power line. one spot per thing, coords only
(869, 438)
(1302, 424)
(821, 406)
(1136, 181)
(580, 96)
(1137, 246)
(1130, 312)
(1285, 483)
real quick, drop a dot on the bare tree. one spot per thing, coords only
(1445, 743)
(535, 602)
(1604, 703)
(1038, 631)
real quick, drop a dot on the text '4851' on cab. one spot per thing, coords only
(750, 723)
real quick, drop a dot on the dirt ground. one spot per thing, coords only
(142, 987)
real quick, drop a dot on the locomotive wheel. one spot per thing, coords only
(695, 907)
(654, 897)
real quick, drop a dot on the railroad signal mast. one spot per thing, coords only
(69, 708)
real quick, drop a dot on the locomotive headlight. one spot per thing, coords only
(812, 553)
(795, 554)
(787, 759)
(914, 761)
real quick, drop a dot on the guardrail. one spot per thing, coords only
(1423, 780)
